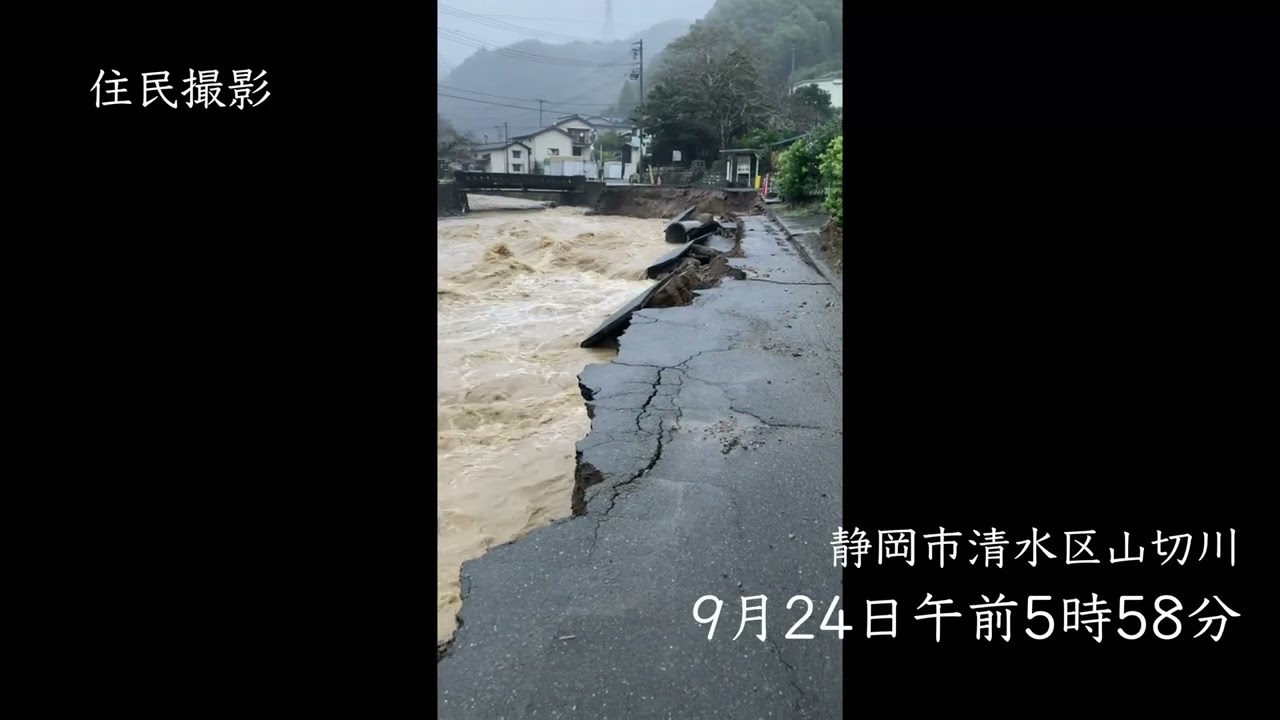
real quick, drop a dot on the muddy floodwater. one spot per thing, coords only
(516, 292)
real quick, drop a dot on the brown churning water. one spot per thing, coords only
(515, 294)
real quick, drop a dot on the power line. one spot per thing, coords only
(563, 103)
(465, 39)
(564, 110)
(484, 102)
(477, 92)
(543, 19)
(500, 25)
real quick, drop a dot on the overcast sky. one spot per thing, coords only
(569, 19)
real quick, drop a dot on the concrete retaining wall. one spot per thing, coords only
(650, 201)
(449, 200)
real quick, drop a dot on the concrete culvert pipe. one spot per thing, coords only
(684, 231)
(676, 230)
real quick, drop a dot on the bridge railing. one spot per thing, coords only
(518, 181)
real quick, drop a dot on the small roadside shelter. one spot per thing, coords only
(742, 166)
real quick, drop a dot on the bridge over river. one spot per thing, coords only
(560, 189)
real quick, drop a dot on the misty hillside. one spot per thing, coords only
(443, 67)
(572, 78)
(771, 28)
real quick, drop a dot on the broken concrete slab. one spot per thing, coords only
(720, 243)
(685, 274)
(667, 262)
(705, 230)
(703, 253)
(687, 214)
(694, 247)
(690, 276)
(618, 321)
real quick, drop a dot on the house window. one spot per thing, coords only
(515, 154)
(553, 151)
(516, 167)
(577, 152)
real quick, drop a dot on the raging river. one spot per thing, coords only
(516, 292)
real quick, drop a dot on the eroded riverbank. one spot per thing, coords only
(715, 462)
(516, 292)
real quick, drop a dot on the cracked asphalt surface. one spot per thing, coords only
(715, 458)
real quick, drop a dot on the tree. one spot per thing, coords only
(799, 173)
(667, 115)
(452, 147)
(808, 107)
(814, 28)
(628, 99)
(710, 92)
(760, 139)
(610, 144)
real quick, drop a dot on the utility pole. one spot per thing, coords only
(640, 43)
(637, 52)
(540, 112)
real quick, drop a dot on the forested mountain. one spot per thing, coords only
(724, 84)
(505, 84)
(768, 29)
(772, 26)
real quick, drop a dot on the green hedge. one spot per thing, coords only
(832, 168)
(799, 174)
(814, 167)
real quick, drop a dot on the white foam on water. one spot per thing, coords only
(516, 293)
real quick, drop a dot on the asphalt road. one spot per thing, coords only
(716, 442)
(804, 230)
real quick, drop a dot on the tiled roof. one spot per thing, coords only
(551, 128)
(485, 147)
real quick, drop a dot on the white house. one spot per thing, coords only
(834, 86)
(571, 166)
(548, 143)
(635, 148)
(511, 156)
(580, 131)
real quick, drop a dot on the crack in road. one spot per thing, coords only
(779, 282)
(776, 424)
(661, 439)
(790, 673)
